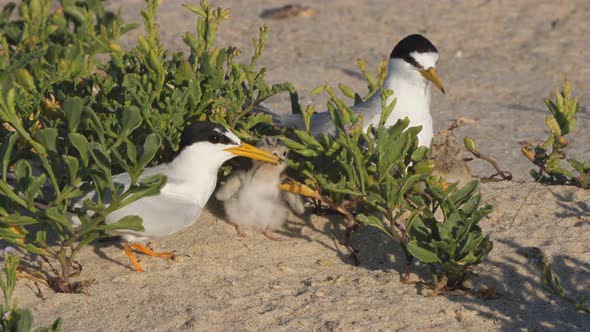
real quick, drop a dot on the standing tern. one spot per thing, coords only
(410, 74)
(191, 179)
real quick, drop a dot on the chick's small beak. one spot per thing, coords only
(252, 152)
(431, 75)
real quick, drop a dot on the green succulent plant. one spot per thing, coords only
(173, 90)
(452, 243)
(13, 318)
(65, 168)
(548, 156)
(70, 122)
(377, 177)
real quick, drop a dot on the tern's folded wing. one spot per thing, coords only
(162, 215)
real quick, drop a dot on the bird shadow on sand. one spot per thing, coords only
(98, 247)
(374, 248)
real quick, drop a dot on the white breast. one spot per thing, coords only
(412, 91)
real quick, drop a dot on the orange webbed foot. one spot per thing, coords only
(132, 258)
(145, 250)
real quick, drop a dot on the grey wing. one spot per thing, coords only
(281, 120)
(229, 188)
(122, 178)
(162, 215)
(321, 123)
(119, 179)
(370, 109)
(295, 202)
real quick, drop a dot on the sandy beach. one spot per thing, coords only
(498, 61)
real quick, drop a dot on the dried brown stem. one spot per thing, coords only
(503, 175)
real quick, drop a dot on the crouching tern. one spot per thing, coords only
(410, 74)
(192, 176)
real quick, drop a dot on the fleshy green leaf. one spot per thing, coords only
(81, 144)
(73, 108)
(133, 223)
(423, 254)
(48, 138)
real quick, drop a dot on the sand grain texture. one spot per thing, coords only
(499, 59)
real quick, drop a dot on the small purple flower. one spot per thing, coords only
(348, 128)
(6, 315)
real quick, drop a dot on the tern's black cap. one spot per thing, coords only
(204, 131)
(412, 43)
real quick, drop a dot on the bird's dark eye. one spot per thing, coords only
(284, 153)
(214, 138)
(219, 139)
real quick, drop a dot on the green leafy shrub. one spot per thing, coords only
(73, 167)
(48, 46)
(45, 52)
(61, 149)
(378, 178)
(207, 83)
(454, 244)
(13, 318)
(548, 155)
(170, 90)
(66, 131)
(358, 171)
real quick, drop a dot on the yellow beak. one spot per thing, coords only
(300, 189)
(252, 152)
(431, 75)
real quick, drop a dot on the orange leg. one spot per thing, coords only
(132, 259)
(150, 252)
(145, 250)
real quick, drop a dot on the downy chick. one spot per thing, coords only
(446, 151)
(252, 198)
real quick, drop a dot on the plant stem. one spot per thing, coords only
(504, 175)
(408, 264)
(64, 276)
(350, 222)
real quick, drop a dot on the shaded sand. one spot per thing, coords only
(498, 60)
(307, 282)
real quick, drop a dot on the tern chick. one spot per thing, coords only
(448, 161)
(252, 198)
